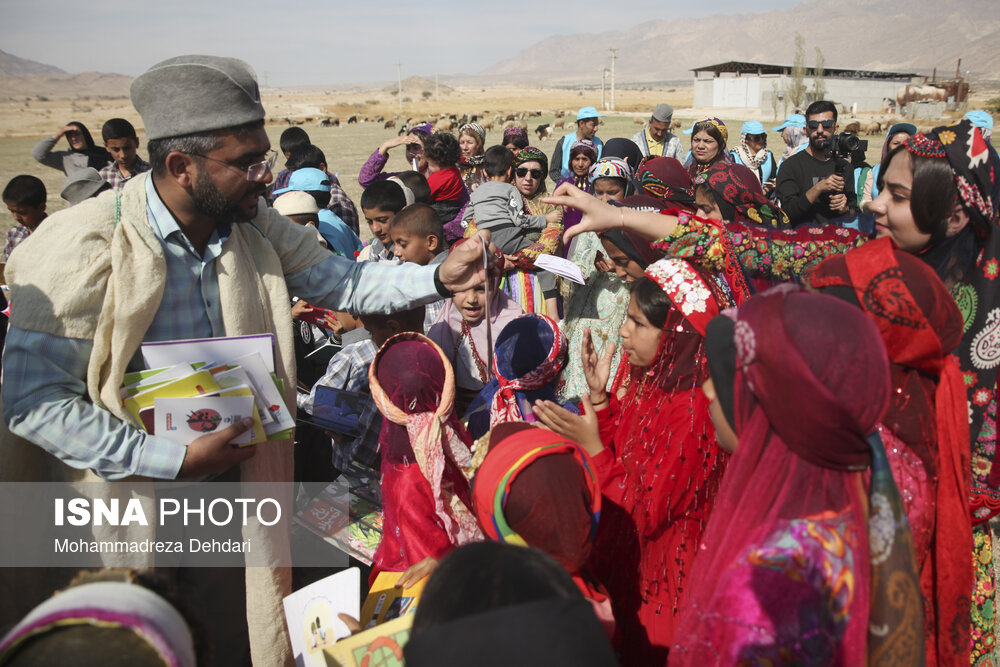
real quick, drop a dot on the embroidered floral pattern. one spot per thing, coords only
(746, 342)
(686, 289)
(881, 528)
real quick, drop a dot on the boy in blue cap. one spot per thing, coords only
(587, 121)
(335, 231)
(752, 153)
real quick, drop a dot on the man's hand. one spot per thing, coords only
(211, 454)
(831, 183)
(463, 269)
(838, 203)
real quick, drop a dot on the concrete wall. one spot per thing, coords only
(755, 91)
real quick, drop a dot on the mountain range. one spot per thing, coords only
(913, 36)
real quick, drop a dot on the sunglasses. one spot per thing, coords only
(813, 124)
(524, 171)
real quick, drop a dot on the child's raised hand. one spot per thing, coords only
(597, 370)
(581, 429)
(603, 264)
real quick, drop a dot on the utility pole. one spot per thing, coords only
(265, 79)
(399, 80)
(604, 77)
(614, 53)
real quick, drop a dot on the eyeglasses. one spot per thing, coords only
(254, 172)
(813, 124)
(524, 171)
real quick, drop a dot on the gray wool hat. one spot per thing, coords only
(663, 113)
(82, 184)
(191, 94)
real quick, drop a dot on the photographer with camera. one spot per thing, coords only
(812, 186)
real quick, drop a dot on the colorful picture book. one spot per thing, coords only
(311, 615)
(381, 645)
(197, 386)
(387, 601)
(352, 524)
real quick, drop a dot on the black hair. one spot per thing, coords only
(417, 183)
(97, 156)
(383, 195)
(322, 197)
(197, 143)
(305, 157)
(821, 106)
(420, 220)
(25, 190)
(497, 160)
(518, 141)
(423, 135)
(481, 576)
(713, 131)
(408, 320)
(932, 195)
(85, 132)
(118, 128)
(304, 218)
(293, 138)
(652, 301)
(443, 149)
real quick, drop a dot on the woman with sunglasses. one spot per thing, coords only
(520, 282)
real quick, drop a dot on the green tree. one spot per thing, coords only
(819, 82)
(797, 88)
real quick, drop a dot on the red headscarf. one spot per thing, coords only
(425, 450)
(739, 195)
(920, 324)
(786, 552)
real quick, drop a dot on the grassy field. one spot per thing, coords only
(346, 148)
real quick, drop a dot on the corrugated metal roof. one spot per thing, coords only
(739, 67)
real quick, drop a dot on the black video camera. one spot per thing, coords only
(845, 145)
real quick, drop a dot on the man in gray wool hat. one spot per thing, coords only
(169, 257)
(656, 139)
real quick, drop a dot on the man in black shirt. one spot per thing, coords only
(809, 188)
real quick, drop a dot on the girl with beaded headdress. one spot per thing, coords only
(936, 201)
(654, 448)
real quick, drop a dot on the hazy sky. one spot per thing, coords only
(308, 42)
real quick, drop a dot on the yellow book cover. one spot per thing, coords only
(386, 601)
(140, 406)
(381, 645)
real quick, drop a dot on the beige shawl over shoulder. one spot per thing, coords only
(97, 271)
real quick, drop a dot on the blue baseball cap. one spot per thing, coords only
(753, 127)
(793, 120)
(587, 112)
(980, 119)
(307, 179)
(909, 128)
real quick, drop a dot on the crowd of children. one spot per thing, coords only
(710, 453)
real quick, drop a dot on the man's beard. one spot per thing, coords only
(210, 202)
(819, 144)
